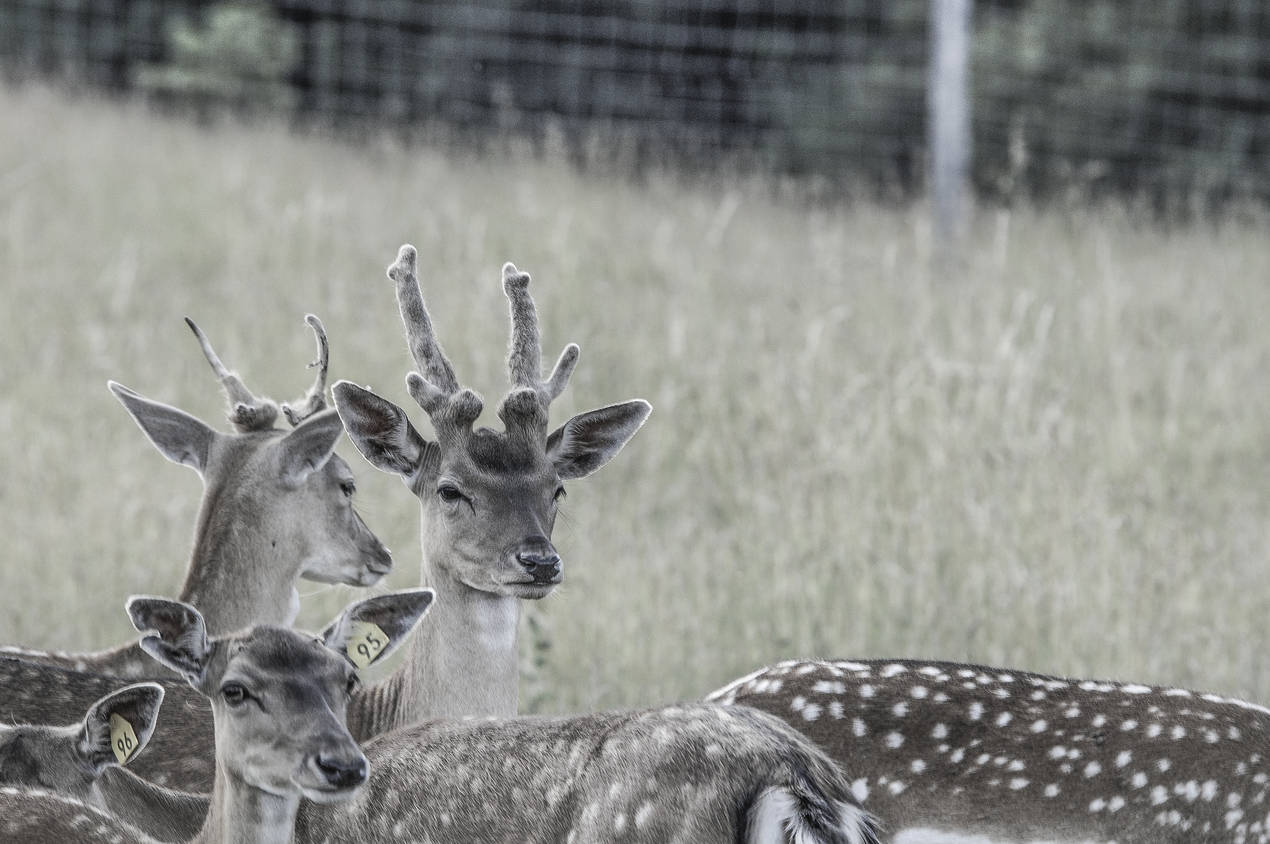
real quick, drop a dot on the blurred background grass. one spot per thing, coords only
(1052, 455)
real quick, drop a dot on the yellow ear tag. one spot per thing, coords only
(365, 642)
(122, 739)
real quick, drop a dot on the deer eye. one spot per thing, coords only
(560, 494)
(234, 693)
(450, 493)
(353, 685)
(348, 488)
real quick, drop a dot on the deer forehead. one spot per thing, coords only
(501, 452)
(269, 655)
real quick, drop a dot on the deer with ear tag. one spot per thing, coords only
(278, 697)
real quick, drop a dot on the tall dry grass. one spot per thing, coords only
(1055, 459)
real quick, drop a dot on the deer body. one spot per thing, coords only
(963, 754)
(489, 501)
(34, 816)
(276, 507)
(695, 773)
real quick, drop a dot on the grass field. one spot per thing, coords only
(1056, 458)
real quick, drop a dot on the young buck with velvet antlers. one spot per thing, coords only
(945, 753)
(278, 698)
(488, 502)
(277, 506)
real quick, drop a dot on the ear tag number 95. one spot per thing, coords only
(123, 740)
(365, 642)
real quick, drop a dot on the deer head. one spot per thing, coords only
(278, 696)
(284, 489)
(489, 497)
(68, 759)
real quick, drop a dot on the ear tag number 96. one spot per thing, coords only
(365, 642)
(123, 740)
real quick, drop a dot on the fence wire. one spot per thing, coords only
(1151, 97)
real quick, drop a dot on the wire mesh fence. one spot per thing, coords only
(1162, 98)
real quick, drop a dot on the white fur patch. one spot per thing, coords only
(774, 820)
(938, 836)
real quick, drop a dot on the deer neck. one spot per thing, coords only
(240, 574)
(243, 814)
(464, 660)
(155, 810)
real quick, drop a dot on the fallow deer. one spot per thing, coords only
(945, 753)
(279, 698)
(277, 506)
(488, 501)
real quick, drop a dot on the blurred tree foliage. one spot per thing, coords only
(1161, 98)
(1168, 98)
(240, 56)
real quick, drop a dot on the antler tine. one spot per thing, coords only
(428, 356)
(524, 360)
(314, 400)
(247, 411)
(562, 371)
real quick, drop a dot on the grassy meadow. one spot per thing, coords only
(1054, 455)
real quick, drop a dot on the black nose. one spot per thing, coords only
(343, 773)
(543, 566)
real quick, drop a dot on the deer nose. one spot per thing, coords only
(343, 772)
(543, 566)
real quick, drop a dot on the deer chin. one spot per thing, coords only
(370, 576)
(327, 794)
(360, 572)
(528, 590)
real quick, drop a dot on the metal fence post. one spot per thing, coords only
(948, 116)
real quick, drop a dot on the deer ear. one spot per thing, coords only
(306, 449)
(119, 726)
(179, 637)
(380, 429)
(177, 435)
(589, 440)
(369, 630)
